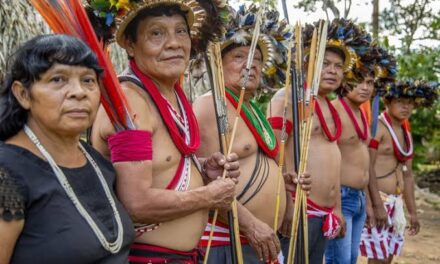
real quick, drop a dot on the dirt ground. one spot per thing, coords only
(425, 247)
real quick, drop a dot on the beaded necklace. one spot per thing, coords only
(336, 120)
(179, 140)
(363, 135)
(257, 124)
(401, 154)
(112, 247)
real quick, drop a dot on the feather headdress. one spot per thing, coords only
(346, 36)
(424, 93)
(385, 70)
(206, 19)
(272, 42)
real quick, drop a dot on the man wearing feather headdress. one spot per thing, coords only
(391, 150)
(353, 144)
(324, 164)
(160, 180)
(255, 142)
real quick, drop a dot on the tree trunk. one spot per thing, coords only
(375, 19)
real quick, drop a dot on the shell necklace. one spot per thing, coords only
(112, 247)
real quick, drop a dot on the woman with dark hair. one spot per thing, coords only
(57, 203)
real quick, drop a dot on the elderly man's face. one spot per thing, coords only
(162, 48)
(234, 65)
(65, 99)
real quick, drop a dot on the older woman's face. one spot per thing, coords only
(65, 99)
(162, 48)
(234, 65)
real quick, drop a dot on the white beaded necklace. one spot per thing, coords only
(396, 139)
(112, 247)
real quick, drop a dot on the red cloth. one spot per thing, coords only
(130, 145)
(331, 225)
(144, 253)
(220, 236)
(277, 123)
(162, 106)
(374, 144)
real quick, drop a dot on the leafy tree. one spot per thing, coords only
(412, 21)
(327, 6)
(425, 123)
(417, 21)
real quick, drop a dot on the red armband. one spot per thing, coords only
(131, 145)
(374, 144)
(277, 123)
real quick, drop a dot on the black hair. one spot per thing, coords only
(348, 86)
(28, 63)
(130, 32)
(337, 51)
(230, 47)
(237, 45)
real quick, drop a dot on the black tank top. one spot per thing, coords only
(54, 231)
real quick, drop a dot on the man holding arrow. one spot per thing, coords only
(324, 162)
(255, 144)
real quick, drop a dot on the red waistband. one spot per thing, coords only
(313, 207)
(220, 236)
(134, 258)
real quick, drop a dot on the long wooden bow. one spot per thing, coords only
(253, 46)
(317, 52)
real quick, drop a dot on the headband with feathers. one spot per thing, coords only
(274, 34)
(206, 18)
(424, 93)
(385, 70)
(346, 36)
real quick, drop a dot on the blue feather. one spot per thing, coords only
(250, 19)
(109, 19)
(375, 113)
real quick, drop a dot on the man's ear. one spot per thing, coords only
(129, 47)
(22, 94)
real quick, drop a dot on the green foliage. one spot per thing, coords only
(423, 63)
(271, 3)
(425, 123)
(412, 21)
(425, 127)
(326, 5)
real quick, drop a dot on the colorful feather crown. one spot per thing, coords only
(206, 18)
(344, 35)
(272, 42)
(385, 70)
(424, 93)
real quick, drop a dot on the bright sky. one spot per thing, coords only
(361, 11)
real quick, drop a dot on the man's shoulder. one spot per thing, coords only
(338, 105)
(203, 108)
(381, 130)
